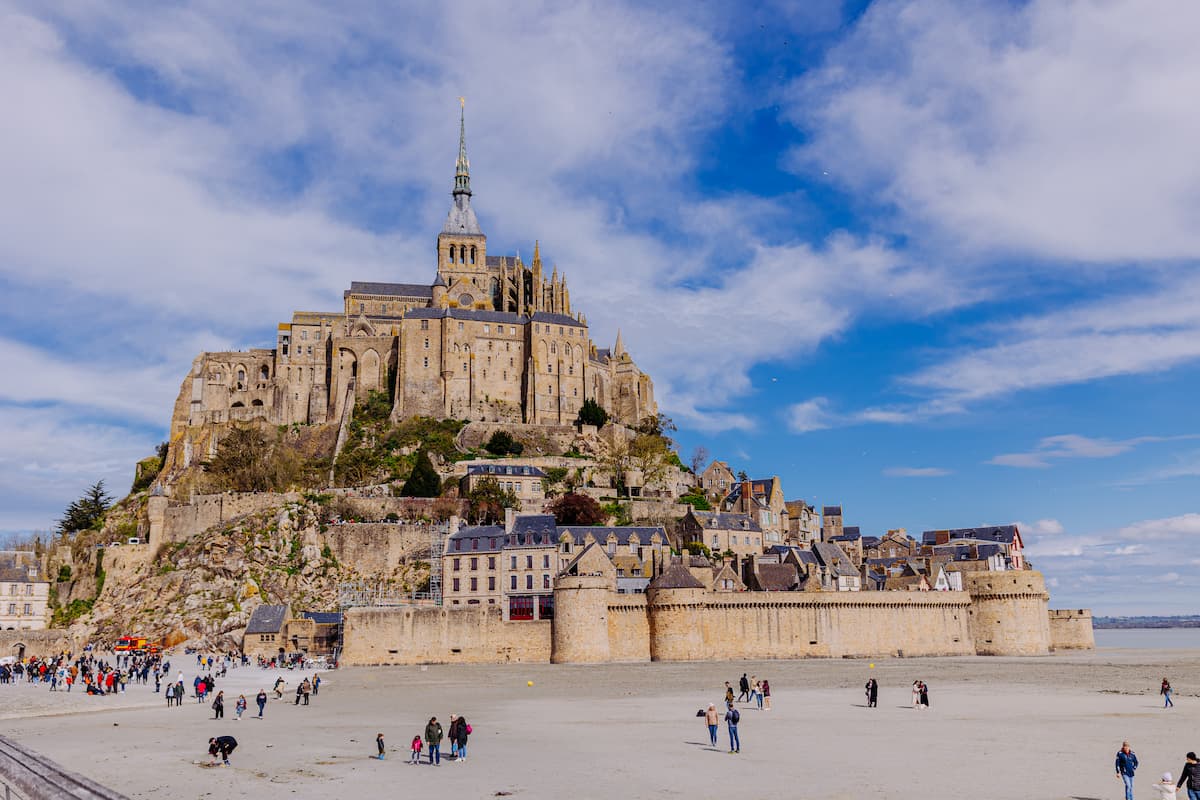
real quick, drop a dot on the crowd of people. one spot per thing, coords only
(92, 675)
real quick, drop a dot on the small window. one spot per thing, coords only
(426, 361)
(424, 324)
(512, 563)
(456, 584)
(487, 328)
(528, 562)
(512, 582)
(492, 583)
(474, 584)
(545, 580)
(492, 559)
(545, 562)
(362, 307)
(528, 581)
(474, 563)
(457, 564)
(426, 343)
(460, 326)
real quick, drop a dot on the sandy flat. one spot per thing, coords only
(998, 728)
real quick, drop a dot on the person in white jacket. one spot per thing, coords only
(1165, 787)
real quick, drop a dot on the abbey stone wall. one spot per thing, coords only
(1071, 629)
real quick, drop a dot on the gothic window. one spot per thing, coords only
(456, 347)
(264, 372)
(466, 348)
(553, 349)
(452, 254)
(465, 300)
(241, 379)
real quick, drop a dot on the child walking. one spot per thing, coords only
(416, 750)
(380, 745)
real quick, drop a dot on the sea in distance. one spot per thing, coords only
(1149, 638)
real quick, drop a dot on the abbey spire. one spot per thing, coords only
(462, 169)
(461, 219)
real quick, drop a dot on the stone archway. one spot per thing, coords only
(19, 647)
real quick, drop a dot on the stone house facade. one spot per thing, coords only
(722, 532)
(24, 597)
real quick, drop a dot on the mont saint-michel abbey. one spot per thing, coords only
(491, 339)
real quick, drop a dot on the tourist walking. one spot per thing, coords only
(381, 747)
(261, 699)
(732, 718)
(218, 706)
(239, 708)
(711, 720)
(766, 693)
(316, 685)
(464, 731)
(916, 694)
(728, 692)
(758, 694)
(1126, 765)
(452, 735)
(415, 758)
(221, 746)
(1190, 775)
(924, 696)
(744, 685)
(872, 693)
(433, 737)
(753, 688)
(1166, 693)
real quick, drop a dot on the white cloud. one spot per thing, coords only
(1043, 527)
(1049, 128)
(915, 472)
(811, 415)
(1070, 445)
(1129, 550)
(1178, 528)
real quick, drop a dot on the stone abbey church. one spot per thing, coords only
(491, 339)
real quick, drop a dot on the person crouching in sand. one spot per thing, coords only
(221, 746)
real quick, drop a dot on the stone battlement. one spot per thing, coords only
(1000, 614)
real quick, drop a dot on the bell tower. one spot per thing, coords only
(461, 246)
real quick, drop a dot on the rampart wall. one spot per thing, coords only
(1001, 614)
(48, 642)
(1071, 629)
(432, 635)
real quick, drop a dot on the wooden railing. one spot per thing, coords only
(26, 775)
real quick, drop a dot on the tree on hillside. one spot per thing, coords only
(576, 509)
(423, 481)
(699, 459)
(657, 425)
(503, 444)
(488, 501)
(88, 511)
(248, 460)
(590, 413)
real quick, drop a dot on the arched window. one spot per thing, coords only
(264, 372)
(472, 254)
(241, 379)
(553, 349)
(452, 252)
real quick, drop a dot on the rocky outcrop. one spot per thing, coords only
(202, 585)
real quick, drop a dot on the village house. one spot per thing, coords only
(804, 525)
(831, 522)
(763, 501)
(24, 596)
(1007, 535)
(722, 532)
(524, 482)
(514, 565)
(717, 479)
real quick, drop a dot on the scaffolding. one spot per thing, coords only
(358, 594)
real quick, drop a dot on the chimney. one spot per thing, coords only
(747, 497)
(510, 517)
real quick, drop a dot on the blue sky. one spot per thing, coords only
(934, 261)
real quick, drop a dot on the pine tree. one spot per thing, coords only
(88, 511)
(590, 413)
(423, 481)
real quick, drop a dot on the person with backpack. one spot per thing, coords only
(464, 730)
(732, 718)
(1190, 776)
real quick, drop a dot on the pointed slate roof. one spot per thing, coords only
(676, 576)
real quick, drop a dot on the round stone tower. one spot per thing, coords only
(1009, 614)
(579, 634)
(675, 601)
